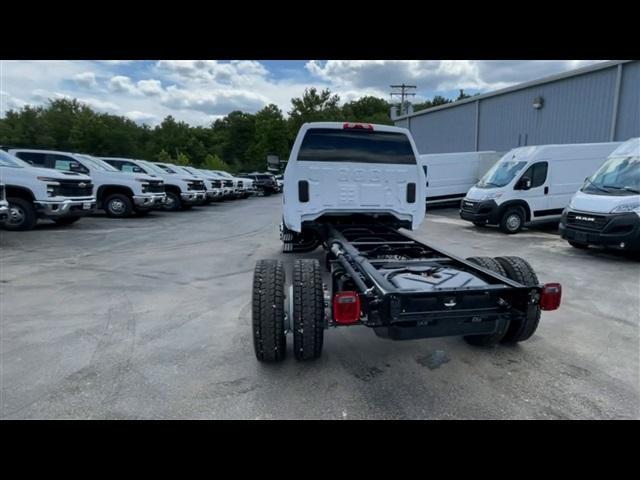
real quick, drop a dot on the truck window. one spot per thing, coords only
(537, 173)
(360, 146)
(62, 162)
(34, 158)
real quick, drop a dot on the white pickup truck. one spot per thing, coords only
(4, 205)
(349, 170)
(119, 194)
(33, 193)
(178, 188)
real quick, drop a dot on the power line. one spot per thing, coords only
(403, 94)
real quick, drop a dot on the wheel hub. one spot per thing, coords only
(16, 215)
(513, 222)
(117, 206)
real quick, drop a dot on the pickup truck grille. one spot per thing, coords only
(196, 185)
(586, 221)
(228, 183)
(240, 184)
(216, 184)
(73, 188)
(155, 186)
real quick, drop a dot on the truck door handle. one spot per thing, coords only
(546, 190)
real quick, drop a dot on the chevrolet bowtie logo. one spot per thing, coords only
(82, 185)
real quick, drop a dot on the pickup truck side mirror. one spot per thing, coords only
(524, 183)
(76, 167)
(137, 169)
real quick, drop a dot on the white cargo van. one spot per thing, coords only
(350, 170)
(532, 184)
(606, 210)
(451, 175)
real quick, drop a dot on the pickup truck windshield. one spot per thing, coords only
(152, 167)
(7, 160)
(96, 163)
(362, 146)
(618, 176)
(501, 174)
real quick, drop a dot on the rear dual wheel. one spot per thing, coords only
(517, 330)
(306, 312)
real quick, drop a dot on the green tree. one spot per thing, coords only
(214, 162)
(368, 110)
(271, 138)
(164, 157)
(313, 107)
(182, 159)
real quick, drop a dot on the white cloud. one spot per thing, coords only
(212, 102)
(150, 87)
(142, 117)
(121, 84)
(86, 79)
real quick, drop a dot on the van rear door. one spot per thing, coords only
(359, 170)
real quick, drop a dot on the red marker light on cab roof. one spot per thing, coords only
(357, 126)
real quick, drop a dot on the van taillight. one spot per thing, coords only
(360, 126)
(551, 296)
(346, 308)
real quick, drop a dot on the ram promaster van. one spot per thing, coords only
(33, 193)
(350, 170)
(606, 210)
(532, 184)
(451, 175)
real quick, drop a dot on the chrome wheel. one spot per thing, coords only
(117, 206)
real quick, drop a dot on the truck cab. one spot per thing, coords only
(118, 194)
(177, 187)
(606, 210)
(352, 171)
(31, 193)
(531, 184)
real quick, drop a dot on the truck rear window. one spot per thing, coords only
(361, 146)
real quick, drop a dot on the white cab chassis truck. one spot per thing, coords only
(606, 210)
(118, 194)
(351, 188)
(31, 193)
(532, 184)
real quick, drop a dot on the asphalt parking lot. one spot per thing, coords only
(150, 318)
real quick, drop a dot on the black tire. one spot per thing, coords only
(174, 202)
(269, 340)
(512, 220)
(22, 215)
(519, 270)
(118, 205)
(185, 207)
(490, 339)
(308, 309)
(66, 220)
(581, 246)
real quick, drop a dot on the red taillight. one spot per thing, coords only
(551, 295)
(361, 126)
(346, 307)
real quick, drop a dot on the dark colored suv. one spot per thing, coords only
(264, 182)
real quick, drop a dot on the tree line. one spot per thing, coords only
(239, 141)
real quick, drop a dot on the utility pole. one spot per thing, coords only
(403, 93)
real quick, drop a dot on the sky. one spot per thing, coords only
(201, 91)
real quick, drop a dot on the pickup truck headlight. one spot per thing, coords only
(491, 196)
(50, 181)
(627, 207)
